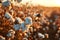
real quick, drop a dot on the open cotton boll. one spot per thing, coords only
(7, 15)
(6, 3)
(21, 12)
(20, 26)
(25, 39)
(16, 26)
(37, 15)
(19, 20)
(28, 20)
(3, 0)
(10, 33)
(41, 35)
(10, 17)
(23, 26)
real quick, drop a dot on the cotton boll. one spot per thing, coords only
(20, 26)
(44, 29)
(25, 39)
(23, 26)
(10, 33)
(28, 20)
(50, 20)
(6, 3)
(57, 35)
(19, 20)
(47, 28)
(58, 31)
(3, 0)
(7, 15)
(16, 26)
(10, 17)
(41, 35)
(21, 12)
(38, 14)
(35, 14)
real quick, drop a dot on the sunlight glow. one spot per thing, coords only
(48, 3)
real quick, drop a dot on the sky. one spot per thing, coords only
(48, 3)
